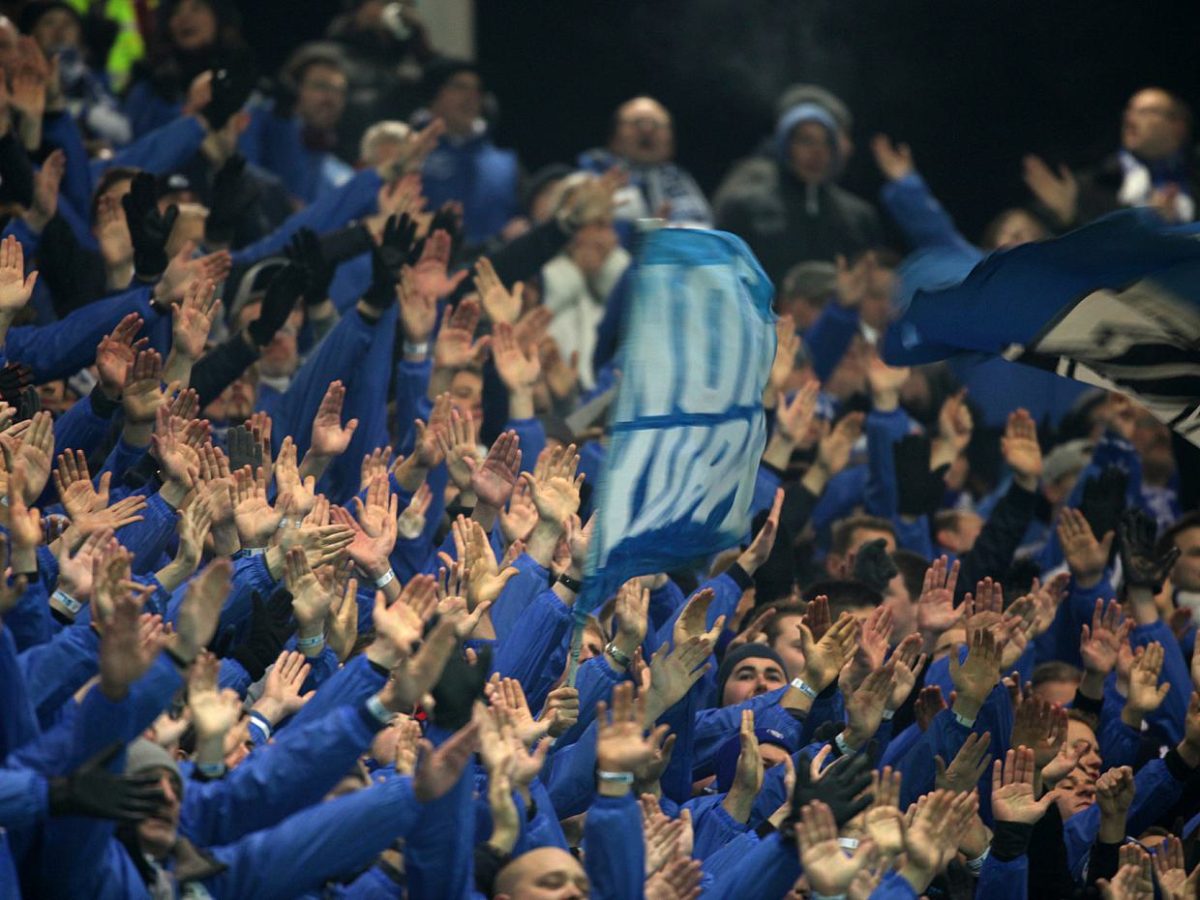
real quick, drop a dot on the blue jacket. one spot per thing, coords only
(277, 144)
(479, 175)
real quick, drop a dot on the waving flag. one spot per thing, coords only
(1115, 304)
(687, 423)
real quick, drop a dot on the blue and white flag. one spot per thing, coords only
(687, 424)
(1115, 304)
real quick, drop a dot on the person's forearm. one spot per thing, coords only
(779, 452)
(542, 542)
(118, 276)
(439, 381)
(314, 464)
(1141, 599)
(1092, 685)
(210, 753)
(520, 403)
(1112, 827)
(485, 514)
(175, 573)
(178, 367)
(225, 539)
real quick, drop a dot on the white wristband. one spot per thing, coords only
(69, 603)
(964, 721)
(975, 866)
(211, 770)
(803, 687)
(310, 643)
(416, 349)
(848, 843)
(615, 777)
(381, 713)
(888, 714)
(385, 579)
(845, 748)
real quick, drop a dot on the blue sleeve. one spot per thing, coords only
(56, 669)
(883, 430)
(614, 852)
(533, 440)
(893, 887)
(412, 385)
(30, 242)
(712, 825)
(149, 537)
(570, 775)
(29, 622)
(62, 348)
(1119, 744)
(301, 853)
(233, 676)
(18, 722)
(331, 211)
(121, 458)
(250, 576)
(1007, 880)
(1170, 716)
(728, 593)
(595, 681)
(770, 869)
(439, 857)
(665, 604)
(302, 765)
(914, 208)
(829, 338)
(60, 130)
(544, 830)
(80, 427)
(158, 152)
(766, 483)
(24, 798)
(351, 686)
(536, 654)
(714, 727)
(531, 579)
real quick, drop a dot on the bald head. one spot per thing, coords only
(547, 873)
(1156, 124)
(642, 132)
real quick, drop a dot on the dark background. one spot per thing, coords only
(970, 85)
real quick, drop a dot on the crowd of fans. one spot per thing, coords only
(303, 390)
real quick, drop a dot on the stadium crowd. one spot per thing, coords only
(303, 386)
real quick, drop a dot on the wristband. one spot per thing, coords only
(378, 711)
(888, 715)
(310, 643)
(615, 777)
(846, 843)
(211, 770)
(414, 348)
(259, 721)
(69, 603)
(805, 688)
(570, 583)
(813, 895)
(975, 866)
(385, 579)
(964, 721)
(622, 659)
(249, 551)
(4, 500)
(845, 748)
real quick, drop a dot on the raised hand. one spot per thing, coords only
(457, 445)
(1021, 449)
(116, 353)
(748, 776)
(828, 869)
(1100, 644)
(1086, 557)
(329, 437)
(1042, 727)
(975, 678)
(281, 695)
(201, 608)
(1058, 192)
(555, 487)
(148, 227)
(823, 659)
(519, 369)
(192, 320)
(500, 304)
(968, 766)
(1141, 565)
(429, 272)
(895, 161)
(935, 607)
(143, 393)
(764, 542)
(493, 480)
(1012, 789)
(1145, 694)
(622, 744)
(455, 347)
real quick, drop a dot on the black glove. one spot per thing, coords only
(148, 228)
(873, 565)
(278, 303)
(839, 785)
(920, 491)
(305, 248)
(14, 378)
(271, 624)
(93, 791)
(233, 195)
(231, 87)
(1141, 565)
(387, 258)
(1104, 500)
(459, 687)
(243, 449)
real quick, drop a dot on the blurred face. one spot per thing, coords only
(1090, 760)
(1018, 227)
(55, 30)
(644, 135)
(809, 153)
(1186, 574)
(1151, 127)
(849, 377)
(321, 97)
(803, 311)
(547, 873)
(903, 605)
(1152, 440)
(466, 395)
(593, 644)
(877, 302)
(459, 103)
(1060, 692)
(858, 537)
(1076, 793)
(751, 678)
(789, 646)
(235, 404)
(157, 834)
(193, 25)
